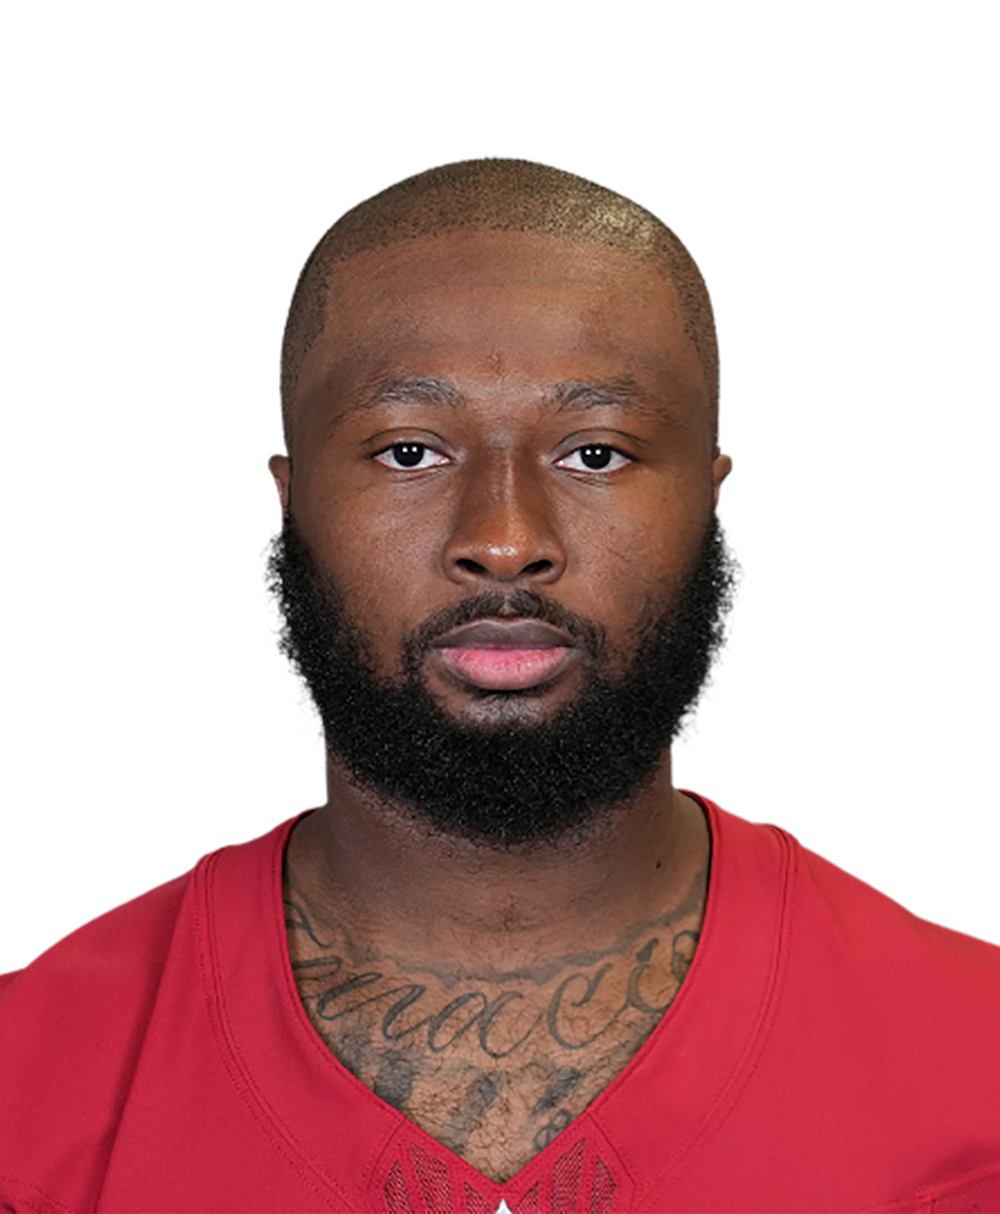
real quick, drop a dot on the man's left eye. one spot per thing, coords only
(593, 457)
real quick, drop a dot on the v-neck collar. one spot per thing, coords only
(365, 1154)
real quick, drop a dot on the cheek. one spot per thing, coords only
(639, 545)
(628, 563)
(379, 577)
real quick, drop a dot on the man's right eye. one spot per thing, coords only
(403, 456)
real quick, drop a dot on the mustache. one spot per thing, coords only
(518, 603)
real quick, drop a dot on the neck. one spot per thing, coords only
(362, 864)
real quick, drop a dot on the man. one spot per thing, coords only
(507, 965)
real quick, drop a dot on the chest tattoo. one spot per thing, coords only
(492, 1065)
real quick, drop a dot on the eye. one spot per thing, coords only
(594, 457)
(410, 455)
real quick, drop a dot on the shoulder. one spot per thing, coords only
(875, 1038)
(97, 976)
(106, 969)
(74, 1026)
(71, 1026)
(835, 919)
(886, 942)
(114, 941)
(913, 1005)
(861, 979)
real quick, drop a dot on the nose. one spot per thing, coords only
(503, 530)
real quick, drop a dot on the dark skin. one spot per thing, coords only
(490, 995)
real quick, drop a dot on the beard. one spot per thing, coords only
(507, 784)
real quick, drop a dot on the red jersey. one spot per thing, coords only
(827, 1051)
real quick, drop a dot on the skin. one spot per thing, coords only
(490, 996)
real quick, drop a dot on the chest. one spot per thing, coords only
(493, 1068)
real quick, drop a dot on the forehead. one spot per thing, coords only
(500, 306)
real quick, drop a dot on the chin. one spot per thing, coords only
(533, 707)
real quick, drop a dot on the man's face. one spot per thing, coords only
(492, 420)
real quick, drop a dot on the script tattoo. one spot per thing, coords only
(493, 1065)
(340, 992)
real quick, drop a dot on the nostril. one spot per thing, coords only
(467, 565)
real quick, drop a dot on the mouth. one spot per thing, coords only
(504, 669)
(505, 655)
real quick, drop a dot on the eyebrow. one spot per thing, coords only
(623, 393)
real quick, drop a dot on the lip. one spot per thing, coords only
(500, 655)
(505, 634)
(503, 668)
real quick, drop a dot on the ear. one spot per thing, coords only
(281, 470)
(722, 465)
